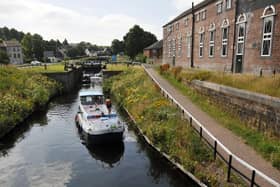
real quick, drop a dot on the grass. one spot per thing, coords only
(269, 85)
(163, 124)
(267, 146)
(116, 67)
(51, 68)
(22, 92)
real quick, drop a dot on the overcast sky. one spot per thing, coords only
(95, 21)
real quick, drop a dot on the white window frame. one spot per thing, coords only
(186, 20)
(212, 43)
(212, 32)
(169, 48)
(225, 42)
(201, 42)
(174, 47)
(240, 39)
(180, 41)
(228, 4)
(219, 5)
(197, 17)
(225, 25)
(189, 44)
(268, 36)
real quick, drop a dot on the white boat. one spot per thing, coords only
(94, 119)
(97, 78)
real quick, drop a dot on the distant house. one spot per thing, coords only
(50, 57)
(14, 51)
(154, 52)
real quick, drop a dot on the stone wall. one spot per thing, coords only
(261, 112)
(69, 80)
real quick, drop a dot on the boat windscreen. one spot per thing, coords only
(91, 100)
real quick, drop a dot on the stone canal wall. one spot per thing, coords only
(260, 111)
(69, 80)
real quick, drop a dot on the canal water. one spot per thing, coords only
(48, 150)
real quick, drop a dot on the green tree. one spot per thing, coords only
(136, 40)
(27, 47)
(117, 46)
(38, 46)
(65, 42)
(4, 58)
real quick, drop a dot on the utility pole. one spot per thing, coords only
(193, 27)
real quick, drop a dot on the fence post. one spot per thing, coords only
(191, 121)
(253, 178)
(200, 132)
(229, 168)
(215, 149)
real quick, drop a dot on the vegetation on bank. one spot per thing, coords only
(269, 85)
(268, 146)
(163, 124)
(50, 68)
(21, 93)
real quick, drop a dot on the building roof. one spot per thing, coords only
(12, 43)
(156, 45)
(189, 11)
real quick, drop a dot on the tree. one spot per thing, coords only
(4, 58)
(38, 46)
(65, 42)
(27, 47)
(136, 40)
(117, 46)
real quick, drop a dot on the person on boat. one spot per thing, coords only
(108, 105)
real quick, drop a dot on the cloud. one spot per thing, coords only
(56, 22)
(182, 5)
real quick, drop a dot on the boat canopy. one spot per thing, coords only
(91, 93)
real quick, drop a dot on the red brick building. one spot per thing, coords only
(154, 53)
(232, 35)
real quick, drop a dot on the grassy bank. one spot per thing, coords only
(269, 85)
(267, 146)
(22, 92)
(162, 123)
(51, 68)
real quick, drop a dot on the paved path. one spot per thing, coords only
(234, 143)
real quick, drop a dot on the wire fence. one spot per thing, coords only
(234, 163)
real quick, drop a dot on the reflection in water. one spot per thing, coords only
(47, 151)
(109, 155)
(18, 133)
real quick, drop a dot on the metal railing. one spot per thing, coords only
(215, 144)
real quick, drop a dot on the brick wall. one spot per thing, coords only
(259, 111)
(252, 59)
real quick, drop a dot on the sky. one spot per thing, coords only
(95, 21)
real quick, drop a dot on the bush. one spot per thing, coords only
(164, 68)
(20, 92)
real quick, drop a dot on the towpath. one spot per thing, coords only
(234, 143)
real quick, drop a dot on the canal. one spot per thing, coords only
(48, 150)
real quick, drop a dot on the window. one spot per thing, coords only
(177, 26)
(225, 36)
(224, 41)
(174, 47)
(203, 14)
(189, 40)
(211, 43)
(240, 38)
(219, 7)
(169, 48)
(201, 41)
(179, 45)
(15, 55)
(197, 17)
(268, 22)
(186, 20)
(18, 55)
(212, 32)
(170, 28)
(228, 4)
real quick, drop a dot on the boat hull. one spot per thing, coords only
(107, 137)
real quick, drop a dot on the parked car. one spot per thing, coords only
(35, 63)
